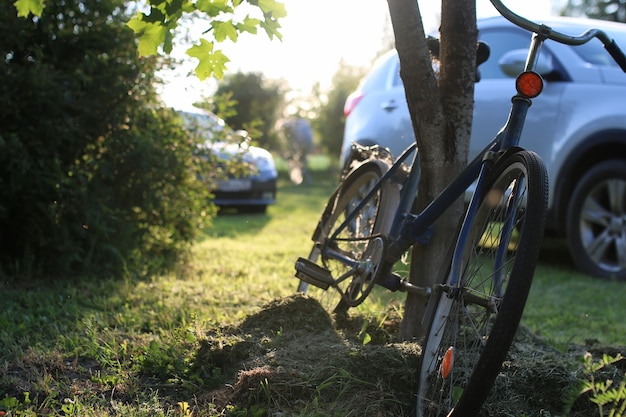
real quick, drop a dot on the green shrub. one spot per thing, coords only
(94, 177)
(608, 395)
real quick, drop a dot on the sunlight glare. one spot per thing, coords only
(317, 36)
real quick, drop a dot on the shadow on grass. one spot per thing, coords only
(554, 252)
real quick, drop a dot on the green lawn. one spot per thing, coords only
(112, 334)
(568, 306)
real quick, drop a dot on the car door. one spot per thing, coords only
(377, 110)
(394, 107)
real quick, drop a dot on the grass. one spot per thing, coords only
(568, 306)
(130, 347)
(251, 258)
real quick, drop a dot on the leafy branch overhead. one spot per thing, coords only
(226, 19)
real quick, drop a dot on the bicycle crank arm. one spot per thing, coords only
(395, 282)
(489, 303)
(406, 286)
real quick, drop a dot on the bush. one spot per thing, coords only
(94, 177)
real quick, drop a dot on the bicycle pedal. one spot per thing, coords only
(314, 274)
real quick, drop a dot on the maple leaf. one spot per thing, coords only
(25, 7)
(210, 62)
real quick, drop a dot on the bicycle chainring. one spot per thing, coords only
(366, 272)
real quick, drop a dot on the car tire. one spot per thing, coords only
(596, 221)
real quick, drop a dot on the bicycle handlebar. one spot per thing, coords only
(616, 53)
(609, 44)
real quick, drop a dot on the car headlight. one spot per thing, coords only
(266, 166)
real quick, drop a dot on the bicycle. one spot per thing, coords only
(473, 313)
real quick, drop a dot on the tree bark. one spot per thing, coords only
(441, 112)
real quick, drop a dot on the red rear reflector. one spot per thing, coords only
(351, 102)
(529, 84)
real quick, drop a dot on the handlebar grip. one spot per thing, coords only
(617, 54)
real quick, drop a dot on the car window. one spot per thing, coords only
(500, 42)
(396, 81)
(378, 76)
(594, 53)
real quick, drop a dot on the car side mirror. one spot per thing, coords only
(512, 63)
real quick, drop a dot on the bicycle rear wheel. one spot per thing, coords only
(360, 241)
(475, 320)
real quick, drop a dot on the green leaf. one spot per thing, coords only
(204, 48)
(210, 62)
(249, 25)
(25, 7)
(364, 335)
(173, 7)
(168, 42)
(272, 11)
(156, 16)
(457, 392)
(214, 7)
(150, 35)
(223, 30)
(273, 8)
(271, 28)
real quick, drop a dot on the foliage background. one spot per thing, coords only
(257, 104)
(613, 10)
(94, 175)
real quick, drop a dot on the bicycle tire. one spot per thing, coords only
(357, 239)
(466, 344)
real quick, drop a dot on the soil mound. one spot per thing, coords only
(292, 358)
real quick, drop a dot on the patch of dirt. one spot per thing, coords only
(292, 357)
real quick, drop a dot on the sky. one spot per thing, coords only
(317, 36)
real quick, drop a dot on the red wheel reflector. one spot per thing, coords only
(529, 84)
(447, 363)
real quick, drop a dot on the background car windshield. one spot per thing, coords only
(594, 53)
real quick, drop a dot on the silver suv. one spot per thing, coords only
(577, 125)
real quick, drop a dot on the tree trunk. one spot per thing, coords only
(441, 113)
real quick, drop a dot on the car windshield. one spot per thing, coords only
(594, 53)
